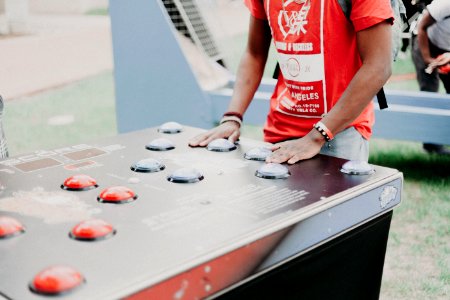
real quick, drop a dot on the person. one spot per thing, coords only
(414, 10)
(331, 67)
(429, 48)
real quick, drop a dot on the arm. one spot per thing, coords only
(248, 78)
(422, 36)
(374, 44)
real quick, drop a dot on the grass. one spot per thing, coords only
(418, 254)
(89, 103)
(415, 163)
(417, 260)
(101, 11)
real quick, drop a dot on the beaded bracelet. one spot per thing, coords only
(231, 118)
(324, 131)
(234, 114)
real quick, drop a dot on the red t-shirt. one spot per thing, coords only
(318, 57)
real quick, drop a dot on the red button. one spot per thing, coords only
(117, 194)
(56, 280)
(79, 183)
(10, 227)
(92, 230)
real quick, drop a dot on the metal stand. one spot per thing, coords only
(154, 82)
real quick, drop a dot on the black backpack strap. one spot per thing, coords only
(382, 102)
(276, 72)
(346, 6)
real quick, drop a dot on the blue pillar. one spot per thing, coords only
(154, 82)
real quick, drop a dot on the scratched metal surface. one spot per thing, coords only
(170, 228)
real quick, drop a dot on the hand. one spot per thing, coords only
(296, 150)
(228, 130)
(441, 60)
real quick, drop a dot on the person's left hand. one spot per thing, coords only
(296, 150)
(441, 60)
(439, 63)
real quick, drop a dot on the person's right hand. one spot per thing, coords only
(228, 130)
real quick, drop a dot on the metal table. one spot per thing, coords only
(231, 235)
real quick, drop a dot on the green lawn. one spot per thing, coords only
(101, 11)
(417, 260)
(28, 122)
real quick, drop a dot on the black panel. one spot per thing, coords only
(348, 267)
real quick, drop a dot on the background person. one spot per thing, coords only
(432, 40)
(331, 69)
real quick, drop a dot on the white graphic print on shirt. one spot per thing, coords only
(297, 30)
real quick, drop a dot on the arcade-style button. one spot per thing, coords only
(221, 145)
(117, 195)
(259, 153)
(160, 144)
(148, 165)
(357, 167)
(92, 230)
(170, 127)
(10, 227)
(185, 175)
(79, 182)
(272, 171)
(56, 280)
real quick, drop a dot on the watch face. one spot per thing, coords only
(221, 145)
(357, 167)
(259, 153)
(273, 171)
(185, 175)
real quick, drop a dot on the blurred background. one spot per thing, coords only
(56, 78)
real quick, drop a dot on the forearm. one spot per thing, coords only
(360, 92)
(422, 36)
(251, 67)
(248, 78)
(374, 45)
(424, 45)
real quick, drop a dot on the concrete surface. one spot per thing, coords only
(65, 6)
(58, 50)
